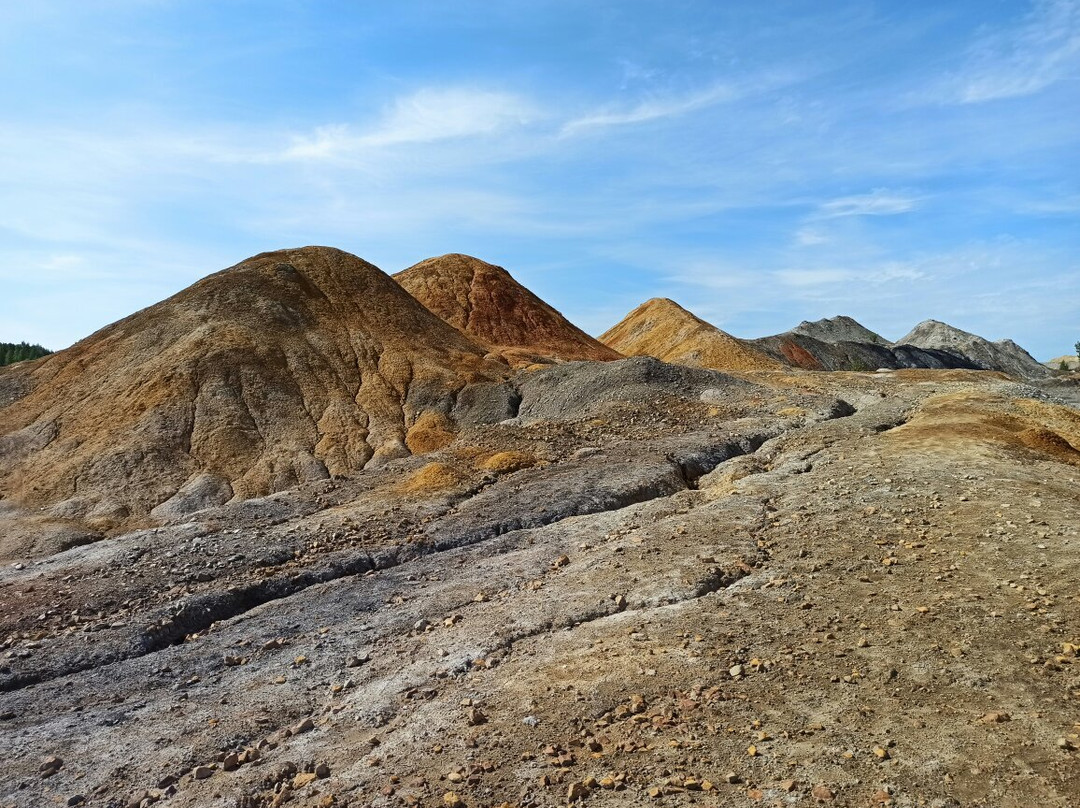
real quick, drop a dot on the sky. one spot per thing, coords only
(761, 163)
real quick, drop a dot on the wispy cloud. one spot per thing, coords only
(1020, 61)
(652, 109)
(426, 116)
(879, 202)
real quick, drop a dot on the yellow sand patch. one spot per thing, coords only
(505, 462)
(432, 431)
(433, 477)
(980, 422)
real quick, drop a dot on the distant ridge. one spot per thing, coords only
(484, 302)
(798, 349)
(1004, 355)
(663, 329)
(291, 366)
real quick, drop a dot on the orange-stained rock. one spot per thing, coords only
(483, 301)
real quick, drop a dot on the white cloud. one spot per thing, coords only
(1020, 61)
(879, 202)
(652, 109)
(426, 116)
(810, 237)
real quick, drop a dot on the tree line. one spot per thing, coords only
(17, 352)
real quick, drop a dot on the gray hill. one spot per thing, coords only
(838, 329)
(1004, 355)
(803, 351)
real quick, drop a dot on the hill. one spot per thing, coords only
(484, 302)
(291, 366)
(1004, 355)
(1066, 362)
(838, 329)
(664, 329)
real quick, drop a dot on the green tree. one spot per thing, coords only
(11, 352)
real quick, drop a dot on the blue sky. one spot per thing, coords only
(760, 163)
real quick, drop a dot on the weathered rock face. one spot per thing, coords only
(664, 329)
(289, 367)
(1004, 355)
(483, 301)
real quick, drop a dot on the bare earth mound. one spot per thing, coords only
(664, 329)
(289, 367)
(483, 301)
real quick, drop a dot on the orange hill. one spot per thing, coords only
(290, 366)
(486, 303)
(665, 330)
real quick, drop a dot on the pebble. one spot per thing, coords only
(452, 800)
(76, 799)
(202, 772)
(736, 671)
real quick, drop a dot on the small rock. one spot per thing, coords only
(475, 717)
(732, 778)
(50, 766)
(304, 726)
(356, 660)
(452, 800)
(736, 671)
(234, 661)
(76, 799)
(880, 753)
(576, 791)
(787, 785)
(995, 718)
(822, 793)
(322, 771)
(1066, 744)
(303, 779)
(230, 762)
(202, 772)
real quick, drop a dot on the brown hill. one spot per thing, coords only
(290, 366)
(665, 330)
(485, 302)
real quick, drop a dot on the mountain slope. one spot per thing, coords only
(290, 366)
(664, 329)
(1004, 355)
(486, 303)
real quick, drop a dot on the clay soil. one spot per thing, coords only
(661, 587)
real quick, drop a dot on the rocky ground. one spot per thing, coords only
(654, 585)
